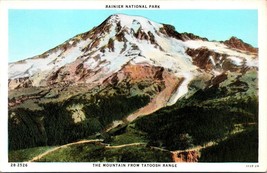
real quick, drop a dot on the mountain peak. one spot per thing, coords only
(237, 43)
(133, 22)
(138, 23)
(120, 40)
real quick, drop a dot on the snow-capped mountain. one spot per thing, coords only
(122, 40)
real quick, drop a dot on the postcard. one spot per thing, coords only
(117, 86)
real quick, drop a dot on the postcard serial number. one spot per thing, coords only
(252, 166)
(19, 165)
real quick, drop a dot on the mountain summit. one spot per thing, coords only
(237, 43)
(130, 76)
(93, 56)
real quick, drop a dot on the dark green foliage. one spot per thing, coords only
(187, 126)
(108, 109)
(127, 135)
(57, 126)
(184, 140)
(26, 154)
(136, 154)
(206, 116)
(25, 130)
(248, 109)
(241, 147)
(77, 153)
(61, 129)
(56, 122)
(210, 93)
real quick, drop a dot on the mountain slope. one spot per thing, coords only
(107, 79)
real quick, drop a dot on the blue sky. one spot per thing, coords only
(32, 32)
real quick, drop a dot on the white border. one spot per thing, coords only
(260, 5)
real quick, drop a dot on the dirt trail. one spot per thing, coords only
(125, 145)
(36, 158)
(175, 154)
(63, 146)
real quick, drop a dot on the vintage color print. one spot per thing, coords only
(143, 86)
